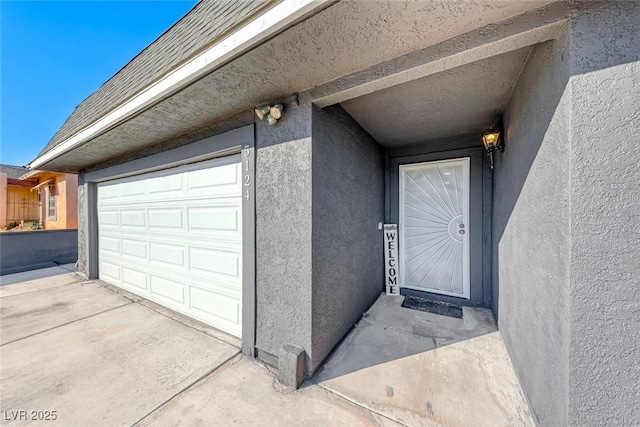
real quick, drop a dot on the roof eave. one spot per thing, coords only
(265, 25)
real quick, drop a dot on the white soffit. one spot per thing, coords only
(263, 26)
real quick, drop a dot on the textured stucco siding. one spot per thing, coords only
(161, 145)
(348, 204)
(283, 232)
(531, 230)
(604, 356)
(83, 212)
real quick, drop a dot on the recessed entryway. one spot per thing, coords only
(424, 369)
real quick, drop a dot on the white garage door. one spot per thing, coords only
(175, 237)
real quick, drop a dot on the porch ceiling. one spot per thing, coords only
(460, 101)
(342, 39)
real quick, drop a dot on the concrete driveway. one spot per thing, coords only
(81, 353)
(78, 353)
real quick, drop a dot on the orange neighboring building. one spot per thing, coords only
(49, 199)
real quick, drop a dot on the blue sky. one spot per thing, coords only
(56, 53)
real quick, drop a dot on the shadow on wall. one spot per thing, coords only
(319, 200)
(544, 186)
(530, 229)
(525, 134)
(525, 131)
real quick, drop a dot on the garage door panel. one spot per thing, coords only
(134, 241)
(137, 279)
(165, 253)
(136, 249)
(110, 270)
(108, 193)
(165, 288)
(109, 218)
(136, 244)
(175, 237)
(214, 304)
(215, 179)
(225, 217)
(225, 285)
(221, 284)
(166, 185)
(214, 219)
(135, 218)
(165, 218)
(214, 261)
(110, 244)
(132, 189)
(166, 201)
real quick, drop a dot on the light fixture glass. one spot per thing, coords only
(276, 111)
(490, 139)
(491, 142)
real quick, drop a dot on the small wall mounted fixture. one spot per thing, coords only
(262, 112)
(270, 113)
(491, 141)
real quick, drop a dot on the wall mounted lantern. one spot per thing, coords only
(491, 141)
(270, 113)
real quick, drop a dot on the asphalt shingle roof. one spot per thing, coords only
(13, 171)
(207, 21)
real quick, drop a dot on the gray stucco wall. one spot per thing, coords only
(604, 352)
(83, 210)
(283, 232)
(531, 230)
(348, 204)
(29, 250)
(566, 220)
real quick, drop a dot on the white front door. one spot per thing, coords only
(434, 227)
(175, 237)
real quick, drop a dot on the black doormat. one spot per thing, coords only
(430, 306)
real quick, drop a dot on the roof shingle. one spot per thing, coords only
(207, 21)
(13, 171)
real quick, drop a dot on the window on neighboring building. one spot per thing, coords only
(52, 203)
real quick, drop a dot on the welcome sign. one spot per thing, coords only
(391, 259)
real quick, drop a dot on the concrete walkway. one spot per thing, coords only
(32, 275)
(423, 369)
(104, 358)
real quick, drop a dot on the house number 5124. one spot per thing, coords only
(246, 175)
